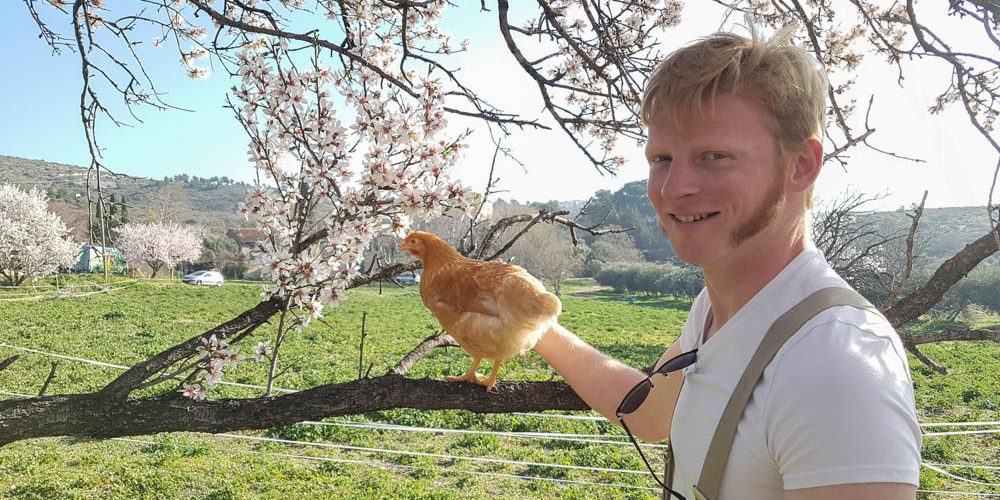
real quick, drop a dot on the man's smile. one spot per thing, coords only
(689, 218)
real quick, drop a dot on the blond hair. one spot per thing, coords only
(789, 83)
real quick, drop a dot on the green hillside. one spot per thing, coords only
(210, 202)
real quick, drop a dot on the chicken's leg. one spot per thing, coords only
(492, 380)
(471, 375)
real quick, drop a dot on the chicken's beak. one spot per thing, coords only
(405, 247)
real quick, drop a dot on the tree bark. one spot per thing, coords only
(950, 272)
(94, 415)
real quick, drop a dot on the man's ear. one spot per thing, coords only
(808, 161)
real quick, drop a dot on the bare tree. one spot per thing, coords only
(166, 204)
(854, 245)
(544, 252)
(389, 63)
(613, 248)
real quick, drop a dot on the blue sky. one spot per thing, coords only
(39, 98)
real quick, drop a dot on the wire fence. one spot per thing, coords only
(67, 291)
(451, 470)
(991, 427)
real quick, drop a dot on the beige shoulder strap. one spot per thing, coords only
(782, 329)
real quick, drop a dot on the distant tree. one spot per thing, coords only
(551, 205)
(157, 245)
(629, 207)
(223, 253)
(866, 255)
(547, 255)
(615, 247)
(33, 241)
(123, 210)
(652, 278)
(168, 202)
(543, 251)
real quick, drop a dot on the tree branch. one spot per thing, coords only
(990, 333)
(94, 415)
(421, 351)
(910, 237)
(950, 272)
(131, 379)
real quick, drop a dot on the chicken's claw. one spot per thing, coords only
(474, 378)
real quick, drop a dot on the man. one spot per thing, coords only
(735, 129)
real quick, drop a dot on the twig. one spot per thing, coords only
(894, 293)
(558, 217)
(48, 380)
(924, 359)
(9, 361)
(419, 352)
(361, 350)
(990, 207)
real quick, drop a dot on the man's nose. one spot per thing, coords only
(680, 180)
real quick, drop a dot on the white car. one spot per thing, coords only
(203, 278)
(408, 279)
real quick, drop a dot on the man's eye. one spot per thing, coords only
(715, 155)
(660, 160)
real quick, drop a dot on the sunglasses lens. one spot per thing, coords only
(635, 397)
(679, 362)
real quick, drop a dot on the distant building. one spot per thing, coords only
(93, 258)
(246, 237)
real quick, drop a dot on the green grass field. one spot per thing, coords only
(139, 319)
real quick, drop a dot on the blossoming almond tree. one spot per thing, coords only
(158, 245)
(33, 241)
(346, 105)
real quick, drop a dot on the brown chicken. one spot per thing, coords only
(494, 310)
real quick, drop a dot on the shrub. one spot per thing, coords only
(644, 277)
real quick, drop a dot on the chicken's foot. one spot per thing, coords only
(471, 375)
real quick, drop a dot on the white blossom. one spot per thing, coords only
(33, 241)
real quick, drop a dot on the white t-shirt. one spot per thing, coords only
(834, 406)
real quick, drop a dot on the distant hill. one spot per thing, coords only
(210, 202)
(942, 233)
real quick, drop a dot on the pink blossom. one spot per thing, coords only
(261, 350)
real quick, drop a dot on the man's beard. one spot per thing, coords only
(765, 213)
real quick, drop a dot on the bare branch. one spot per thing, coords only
(9, 361)
(131, 379)
(911, 235)
(48, 379)
(979, 334)
(421, 351)
(947, 274)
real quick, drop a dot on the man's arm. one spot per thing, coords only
(602, 382)
(857, 491)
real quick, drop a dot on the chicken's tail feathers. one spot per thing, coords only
(529, 302)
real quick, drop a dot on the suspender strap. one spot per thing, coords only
(782, 329)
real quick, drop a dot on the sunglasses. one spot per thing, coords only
(635, 397)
